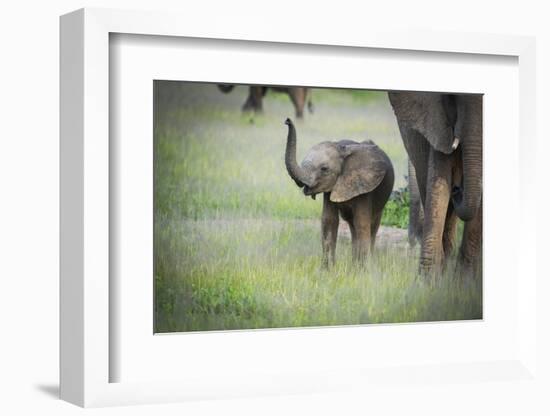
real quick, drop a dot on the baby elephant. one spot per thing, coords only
(356, 180)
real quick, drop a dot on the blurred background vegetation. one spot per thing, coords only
(213, 160)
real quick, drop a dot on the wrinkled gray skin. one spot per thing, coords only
(416, 212)
(298, 95)
(416, 217)
(442, 134)
(356, 180)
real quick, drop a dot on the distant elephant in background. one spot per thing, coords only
(356, 180)
(442, 134)
(298, 95)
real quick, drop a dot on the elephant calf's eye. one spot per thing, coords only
(324, 169)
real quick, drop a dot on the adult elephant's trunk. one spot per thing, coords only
(295, 171)
(466, 200)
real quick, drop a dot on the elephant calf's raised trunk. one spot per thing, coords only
(295, 171)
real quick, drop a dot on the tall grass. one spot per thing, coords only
(218, 274)
(236, 243)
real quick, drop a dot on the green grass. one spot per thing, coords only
(237, 245)
(218, 275)
(396, 211)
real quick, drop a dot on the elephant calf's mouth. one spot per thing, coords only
(309, 192)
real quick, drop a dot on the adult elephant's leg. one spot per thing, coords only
(449, 233)
(419, 151)
(329, 230)
(416, 212)
(308, 99)
(470, 249)
(438, 195)
(257, 93)
(298, 98)
(254, 100)
(451, 222)
(249, 103)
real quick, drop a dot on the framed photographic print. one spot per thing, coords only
(254, 216)
(238, 246)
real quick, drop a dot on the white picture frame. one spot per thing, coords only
(86, 356)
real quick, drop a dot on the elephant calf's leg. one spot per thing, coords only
(362, 222)
(329, 230)
(361, 245)
(375, 225)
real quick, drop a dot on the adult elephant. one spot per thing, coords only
(254, 102)
(442, 134)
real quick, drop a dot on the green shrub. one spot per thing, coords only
(396, 211)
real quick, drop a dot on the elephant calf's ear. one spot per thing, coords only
(363, 170)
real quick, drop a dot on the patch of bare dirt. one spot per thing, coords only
(386, 236)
